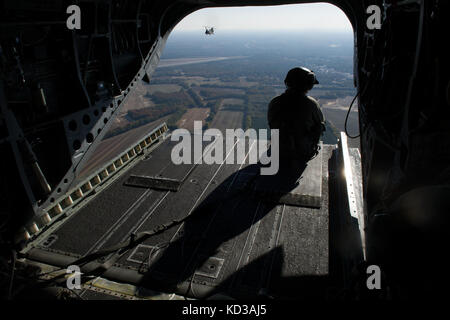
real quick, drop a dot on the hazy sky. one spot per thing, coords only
(318, 16)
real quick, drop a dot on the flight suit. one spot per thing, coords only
(301, 123)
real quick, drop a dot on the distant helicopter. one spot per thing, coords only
(209, 31)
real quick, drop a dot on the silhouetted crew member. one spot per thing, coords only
(298, 117)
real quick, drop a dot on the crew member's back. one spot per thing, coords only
(298, 117)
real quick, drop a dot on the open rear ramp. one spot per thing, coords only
(233, 238)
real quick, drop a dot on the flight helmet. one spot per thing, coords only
(301, 78)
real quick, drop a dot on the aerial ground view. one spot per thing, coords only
(227, 80)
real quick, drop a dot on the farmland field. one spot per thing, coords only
(227, 120)
(191, 115)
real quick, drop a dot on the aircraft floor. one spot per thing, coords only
(238, 242)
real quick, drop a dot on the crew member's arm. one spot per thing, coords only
(317, 123)
(318, 115)
(273, 114)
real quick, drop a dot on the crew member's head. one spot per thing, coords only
(301, 79)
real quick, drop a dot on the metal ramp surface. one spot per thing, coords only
(303, 191)
(236, 241)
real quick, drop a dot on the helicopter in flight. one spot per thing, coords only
(209, 31)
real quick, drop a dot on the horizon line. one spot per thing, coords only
(266, 30)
